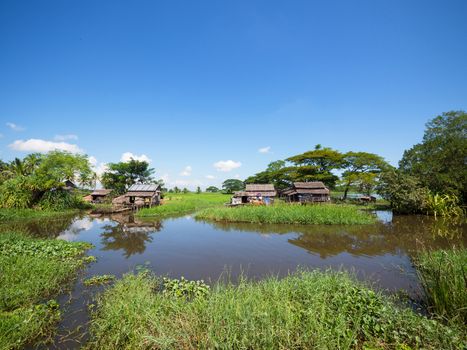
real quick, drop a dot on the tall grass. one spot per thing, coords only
(184, 203)
(22, 214)
(443, 274)
(31, 271)
(445, 205)
(307, 310)
(326, 214)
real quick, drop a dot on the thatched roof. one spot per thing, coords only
(313, 187)
(102, 192)
(311, 184)
(253, 190)
(119, 200)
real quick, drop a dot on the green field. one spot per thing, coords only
(31, 272)
(325, 214)
(181, 203)
(307, 310)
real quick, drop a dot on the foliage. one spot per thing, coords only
(444, 205)
(31, 271)
(212, 189)
(120, 176)
(182, 203)
(99, 280)
(439, 160)
(326, 214)
(183, 288)
(443, 274)
(404, 192)
(25, 214)
(198, 190)
(232, 185)
(60, 200)
(361, 168)
(28, 181)
(307, 310)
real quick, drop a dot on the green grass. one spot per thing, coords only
(307, 310)
(181, 203)
(31, 272)
(21, 214)
(443, 274)
(290, 214)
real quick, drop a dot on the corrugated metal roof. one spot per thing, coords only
(143, 188)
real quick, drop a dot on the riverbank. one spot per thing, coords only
(325, 214)
(181, 203)
(24, 214)
(305, 310)
(32, 273)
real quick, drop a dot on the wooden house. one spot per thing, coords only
(255, 192)
(144, 195)
(307, 192)
(99, 196)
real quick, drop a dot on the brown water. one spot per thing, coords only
(380, 254)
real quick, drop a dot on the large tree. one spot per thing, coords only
(439, 161)
(120, 176)
(361, 168)
(232, 185)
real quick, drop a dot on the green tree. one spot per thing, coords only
(198, 190)
(439, 161)
(212, 189)
(232, 185)
(176, 190)
(120, 176)
(404, 192)
(361, 168)
(185, 190)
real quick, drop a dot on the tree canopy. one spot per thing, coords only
(439, 161)
(232, 185)
(120, 176)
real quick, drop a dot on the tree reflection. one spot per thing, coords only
(129, 235)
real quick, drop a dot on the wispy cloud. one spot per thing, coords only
(65, 137)
(210, 177)
(265, 149)
(227, 165)
(186, 171)
(42, 146)
(127, 156)
(14, 127)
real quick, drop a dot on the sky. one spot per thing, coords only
(209, 90)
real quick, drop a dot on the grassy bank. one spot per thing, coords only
(31, 272)
(22, 214)
(308, 310)
(180, 203)
(290, 214)
(444, 277)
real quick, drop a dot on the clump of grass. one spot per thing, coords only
(443, 274)
(181, 203)
(326, 214)
(307, 310)
(23, 214)
(31, 271)
(99, 280)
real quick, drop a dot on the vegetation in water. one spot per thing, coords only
(181, 203)
(183, 288)
(31, 272)
(99, 280)
(307, 310)
(444, 205)
(443, 274)
(326, 214)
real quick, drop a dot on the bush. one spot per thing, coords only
(59, 200)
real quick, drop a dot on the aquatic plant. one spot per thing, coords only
(445, 205)
(306, 310)
(31, 271)
(99, 280)
(443, 274)
(183, 288)
(326, 214)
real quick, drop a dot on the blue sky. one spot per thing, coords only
(190, 84)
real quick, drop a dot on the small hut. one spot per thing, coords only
(144, 195)
(99, 196)
(307, 192)
(255, 192)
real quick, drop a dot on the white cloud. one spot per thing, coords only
(210, 177)
(92, 160)
(127, 156)
(38, 145)
(264, 149)
(65, 137)
(237, 176)
(186, 171)
(14, 126)
(227, 165)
